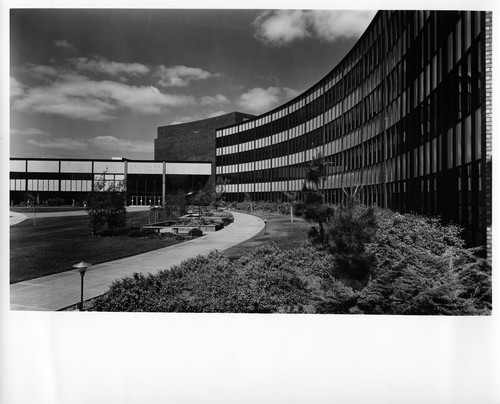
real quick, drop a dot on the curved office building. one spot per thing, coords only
(405, 117)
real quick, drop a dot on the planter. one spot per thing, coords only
(186, 229)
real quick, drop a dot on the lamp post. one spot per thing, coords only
(265, 226)
(82, 267)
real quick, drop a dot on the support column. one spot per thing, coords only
(125, 171)
(164, 184)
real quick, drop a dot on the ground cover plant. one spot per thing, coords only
(419, 267)
(49, 246)
(263, 281)
(262, 206)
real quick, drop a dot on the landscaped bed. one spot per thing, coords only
(417, 266)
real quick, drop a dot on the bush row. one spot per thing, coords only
(147, 233)
(275, 207)
(264, 281)
(219, 219)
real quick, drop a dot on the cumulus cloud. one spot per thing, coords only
(197, 117)
(217, 99)
(40, 72)
(108, 143)
(63, 43)
(330, 25)
(16, 88)
(259, 100)
(75, 96)
(282, 27)
(180, 76)
(61, 143)
(112, 143)
(27, 132)
(80, 89)
(99, 65)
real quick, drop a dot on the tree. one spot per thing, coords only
(344, 232)
(200, 198)
(220, 189)
(106, 205)
(176, 203)
(312, 206)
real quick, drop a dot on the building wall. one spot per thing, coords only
(193, 141)
(402, 118)
(145, 182)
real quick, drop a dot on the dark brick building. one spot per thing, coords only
(193, 141)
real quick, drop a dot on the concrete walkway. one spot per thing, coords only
(54, 292)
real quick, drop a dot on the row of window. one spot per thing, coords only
(402, 111)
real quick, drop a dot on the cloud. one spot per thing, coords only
(27, 132)
(180, 76)
(108, 143)
(330, 25)
(16, 88)
(112, 143)
(282, 27)
(259, 100)
(62, 143)
(77, 97)
(213, 114)
(217, 99)
(40, 72)
(63, 43)
(74, 90)
(100, 65)
(197, 117)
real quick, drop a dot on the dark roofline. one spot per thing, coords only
(108, 160)
(250, 116)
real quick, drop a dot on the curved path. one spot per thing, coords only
(57, 291)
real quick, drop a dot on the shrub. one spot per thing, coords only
(196, 221)
(106, 206)
(149, 233)
(112, 232)
(195, 232)
(55, 201)
(263, 281)
(201, 284)
(423, 268)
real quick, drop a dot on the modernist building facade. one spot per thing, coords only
(145, 182)
(405, 118)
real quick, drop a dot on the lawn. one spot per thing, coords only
(55, 244)
(278, 230)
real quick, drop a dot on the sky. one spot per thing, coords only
(98, 82)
